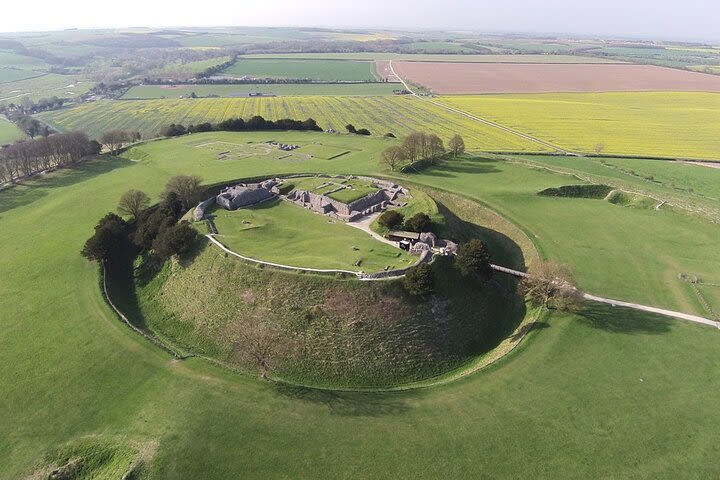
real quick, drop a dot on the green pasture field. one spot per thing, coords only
(44, 86)
(300, 89)
(321, 69)
(664, 124)
(399, 115)
(625, 253)
(191, 68)
(605, 392)
(696, 181)
(437, 57)
(228, 151)
(280, 232)
(9, 132)
(13, 60)
(9, 74)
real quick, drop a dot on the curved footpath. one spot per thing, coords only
(620, 303)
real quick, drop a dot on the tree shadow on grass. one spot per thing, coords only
(622, 320)
(347, 404)
(31, 190)
(454, 168)
(121, 288)
(527, 329)
(503, 249)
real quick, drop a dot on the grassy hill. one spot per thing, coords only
(603, 393)
(346, 332)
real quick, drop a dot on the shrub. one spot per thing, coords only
(578, 191)
(174, 240)
(391, 219)
(420, 222)
(419, 280)
(473, 260)
(109, 239)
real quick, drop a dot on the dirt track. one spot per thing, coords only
(468, 78)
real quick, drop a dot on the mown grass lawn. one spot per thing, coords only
(281, 232)
(607, 393)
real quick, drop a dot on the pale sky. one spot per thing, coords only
(651, 19)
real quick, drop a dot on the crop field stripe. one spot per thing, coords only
(399, 115)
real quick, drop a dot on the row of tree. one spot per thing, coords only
(114, 139)
(256, 123)
(26, 158)
(419, 146)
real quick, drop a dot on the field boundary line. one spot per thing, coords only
(480, 119)
(136, 329)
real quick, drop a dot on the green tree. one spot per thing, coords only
(109, 239)
(420, 222)
(187, 189)
(457, 145)
(391, 219)
(350, 128)
(393, 157)
(473, 260)
(419, 280)
(133, 202)
(552, 285)
(174, 240)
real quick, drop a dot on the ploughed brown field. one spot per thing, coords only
(450, 78)
(383, 69)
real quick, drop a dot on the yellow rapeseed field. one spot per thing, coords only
(397, 115)
(666, 124)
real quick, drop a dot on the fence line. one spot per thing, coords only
(140, 331)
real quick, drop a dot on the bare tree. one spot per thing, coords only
(457, 145)
(133, 202)
(552, 285)
(393, 156)
(263, 345)
(435, 146)
(115, 139)
(186, 187)
(599, 148)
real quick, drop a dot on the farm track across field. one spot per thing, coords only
(476, 118)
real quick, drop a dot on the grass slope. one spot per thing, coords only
(610, 393)
(9, 132)
(348, 333)
(665, 124)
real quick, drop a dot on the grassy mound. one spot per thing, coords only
(344, 333)
(625, 199)
(577, 191)
(95, 458)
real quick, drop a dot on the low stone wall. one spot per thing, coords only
(425, 257)
(199, 212)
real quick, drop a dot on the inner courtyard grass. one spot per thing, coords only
(603, 393)
(280, 232)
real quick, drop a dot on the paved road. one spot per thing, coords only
(480, 119)
(620, 303)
